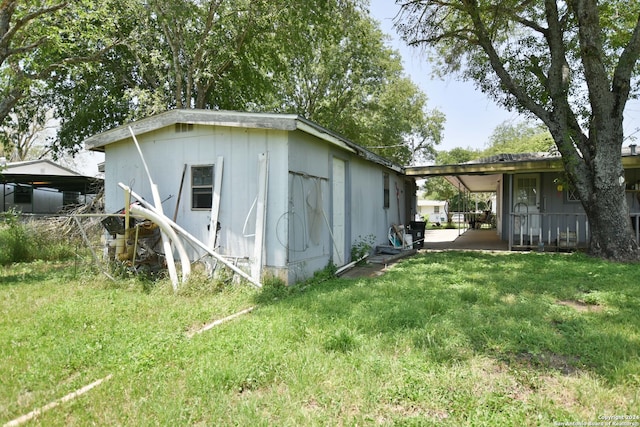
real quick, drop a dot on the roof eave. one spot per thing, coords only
(486, 168)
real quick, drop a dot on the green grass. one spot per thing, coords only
(459, 339)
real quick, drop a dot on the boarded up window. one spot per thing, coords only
(201, 187)
(386, 190)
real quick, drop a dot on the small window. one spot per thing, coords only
(572, 195)
(22, 194)
(436, 209)
(201, 187)
(386, 191)
(70, 198)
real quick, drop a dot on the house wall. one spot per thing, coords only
(166, 152)
(427, 210)
(559, 211)
(299, 236)
(311, 242)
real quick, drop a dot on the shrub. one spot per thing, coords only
(26, 242)
(362, 247)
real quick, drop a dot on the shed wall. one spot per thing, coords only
(167, 152)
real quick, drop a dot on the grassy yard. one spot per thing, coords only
(459, 339)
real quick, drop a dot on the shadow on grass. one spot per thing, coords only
(454, 305)
(34, 272)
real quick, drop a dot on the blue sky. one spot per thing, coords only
(471, 116)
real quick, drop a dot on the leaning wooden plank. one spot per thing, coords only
(215, 203)
(220, 321)
(261, 213)
(31, 415)
(175, 213)
(194, 240)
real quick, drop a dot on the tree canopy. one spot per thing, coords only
(521, 137)
(101, 64)
(39, 39)
(571, 64)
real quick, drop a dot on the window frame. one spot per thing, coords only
(23, 194)
(199, 190)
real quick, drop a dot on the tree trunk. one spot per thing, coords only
(601, 185)
(610, 231)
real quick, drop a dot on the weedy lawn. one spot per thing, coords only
(442, 338)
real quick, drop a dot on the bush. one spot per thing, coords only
(26, 242)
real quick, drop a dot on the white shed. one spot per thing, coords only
(304, 194)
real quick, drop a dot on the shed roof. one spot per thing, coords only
(288, 122)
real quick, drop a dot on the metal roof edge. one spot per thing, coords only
(538, 165)
(192, 116)
(278, 121)
(325, 134)
(8, 167)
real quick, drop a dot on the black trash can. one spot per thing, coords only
(417, 229)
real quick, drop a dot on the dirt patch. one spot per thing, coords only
(365, 270)
(567, 365)
(581, 306)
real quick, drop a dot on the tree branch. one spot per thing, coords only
(624, 70)
(10, 6)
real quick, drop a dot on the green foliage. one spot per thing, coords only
(362, 247)
(43, 39)
(17, 243)
(521, 137)
(273, 289)
(25, 242)
(438, 188)
(324, 60)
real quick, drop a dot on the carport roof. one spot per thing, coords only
(483, 175)
(45, 173)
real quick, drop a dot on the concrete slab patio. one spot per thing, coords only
(464, 239)
(439, 240)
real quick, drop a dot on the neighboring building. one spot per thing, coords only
(43, 187)
(321, 195)
(432, 211)
(533, 207)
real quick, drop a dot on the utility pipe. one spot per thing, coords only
(194, 240)
(163, 223)
(157, 201)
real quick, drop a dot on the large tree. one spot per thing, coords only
(325, 60)
(573, 64)
(438, 188)
(40, 39)
(350, 81)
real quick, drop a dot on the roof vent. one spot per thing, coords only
(184, 127)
